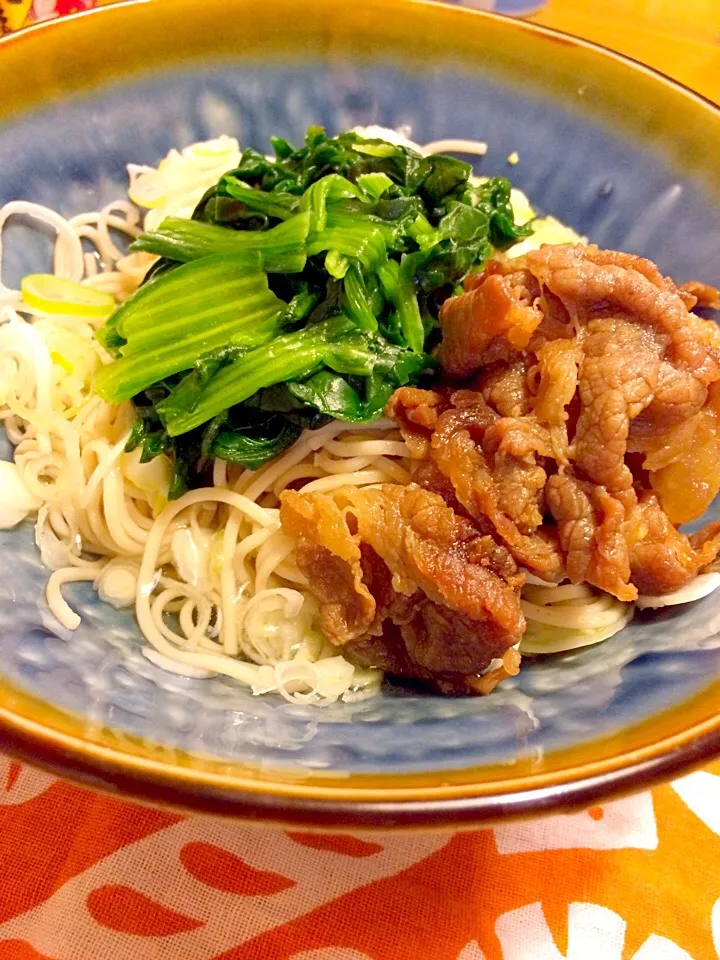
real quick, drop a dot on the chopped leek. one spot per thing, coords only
(51, 294)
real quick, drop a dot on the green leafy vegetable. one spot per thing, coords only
(208, 305)
(252, 445)
(305, 287)
(282, 248)
(285, 358)
(355, 299)
(331, 394)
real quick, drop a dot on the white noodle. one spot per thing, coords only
(360, 479)
(107, 457)
(476, 147)
(69, 261)
(57, 603)
(703, 585)
(569, 616)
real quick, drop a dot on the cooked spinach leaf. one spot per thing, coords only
(305, 287)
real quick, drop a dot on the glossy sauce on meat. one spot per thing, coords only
(620, 411)
(404, 583)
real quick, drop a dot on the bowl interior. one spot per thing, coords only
(621, 189)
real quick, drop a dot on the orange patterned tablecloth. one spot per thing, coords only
(90, 877)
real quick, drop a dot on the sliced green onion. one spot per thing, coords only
(51, 294)
(214, 151)
(147, 188)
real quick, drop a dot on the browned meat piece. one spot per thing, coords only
(519, 437)
(445, 599)
(630, 261)
(588, 283)
(505, 389)
(591, 527)
(557, 373)
(484, 483)
(589, 286)
(694, 293)
(493, 320)
(683, 465)
(424, 544)
(607, 389)
(706, 543)
(618, 378)
(418, 407)
(325, 547)
(678, 396)
(586, 430)
(428, 476)
(487, 683)
(665, 559)
(513, 445)
(491, 466)
(700, 294)
(417, 411)
(557, 370)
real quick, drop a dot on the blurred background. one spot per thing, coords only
(679, 38)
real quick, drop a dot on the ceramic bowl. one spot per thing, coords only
(620, 153)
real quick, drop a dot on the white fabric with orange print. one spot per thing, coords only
(85, 876)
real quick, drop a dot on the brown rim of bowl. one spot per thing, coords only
(265, 808)
(46, 749)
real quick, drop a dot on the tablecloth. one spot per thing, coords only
(85, 876)
(91, 877)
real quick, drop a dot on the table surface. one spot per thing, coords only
(679, 37)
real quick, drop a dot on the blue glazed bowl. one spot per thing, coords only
(84, 97)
